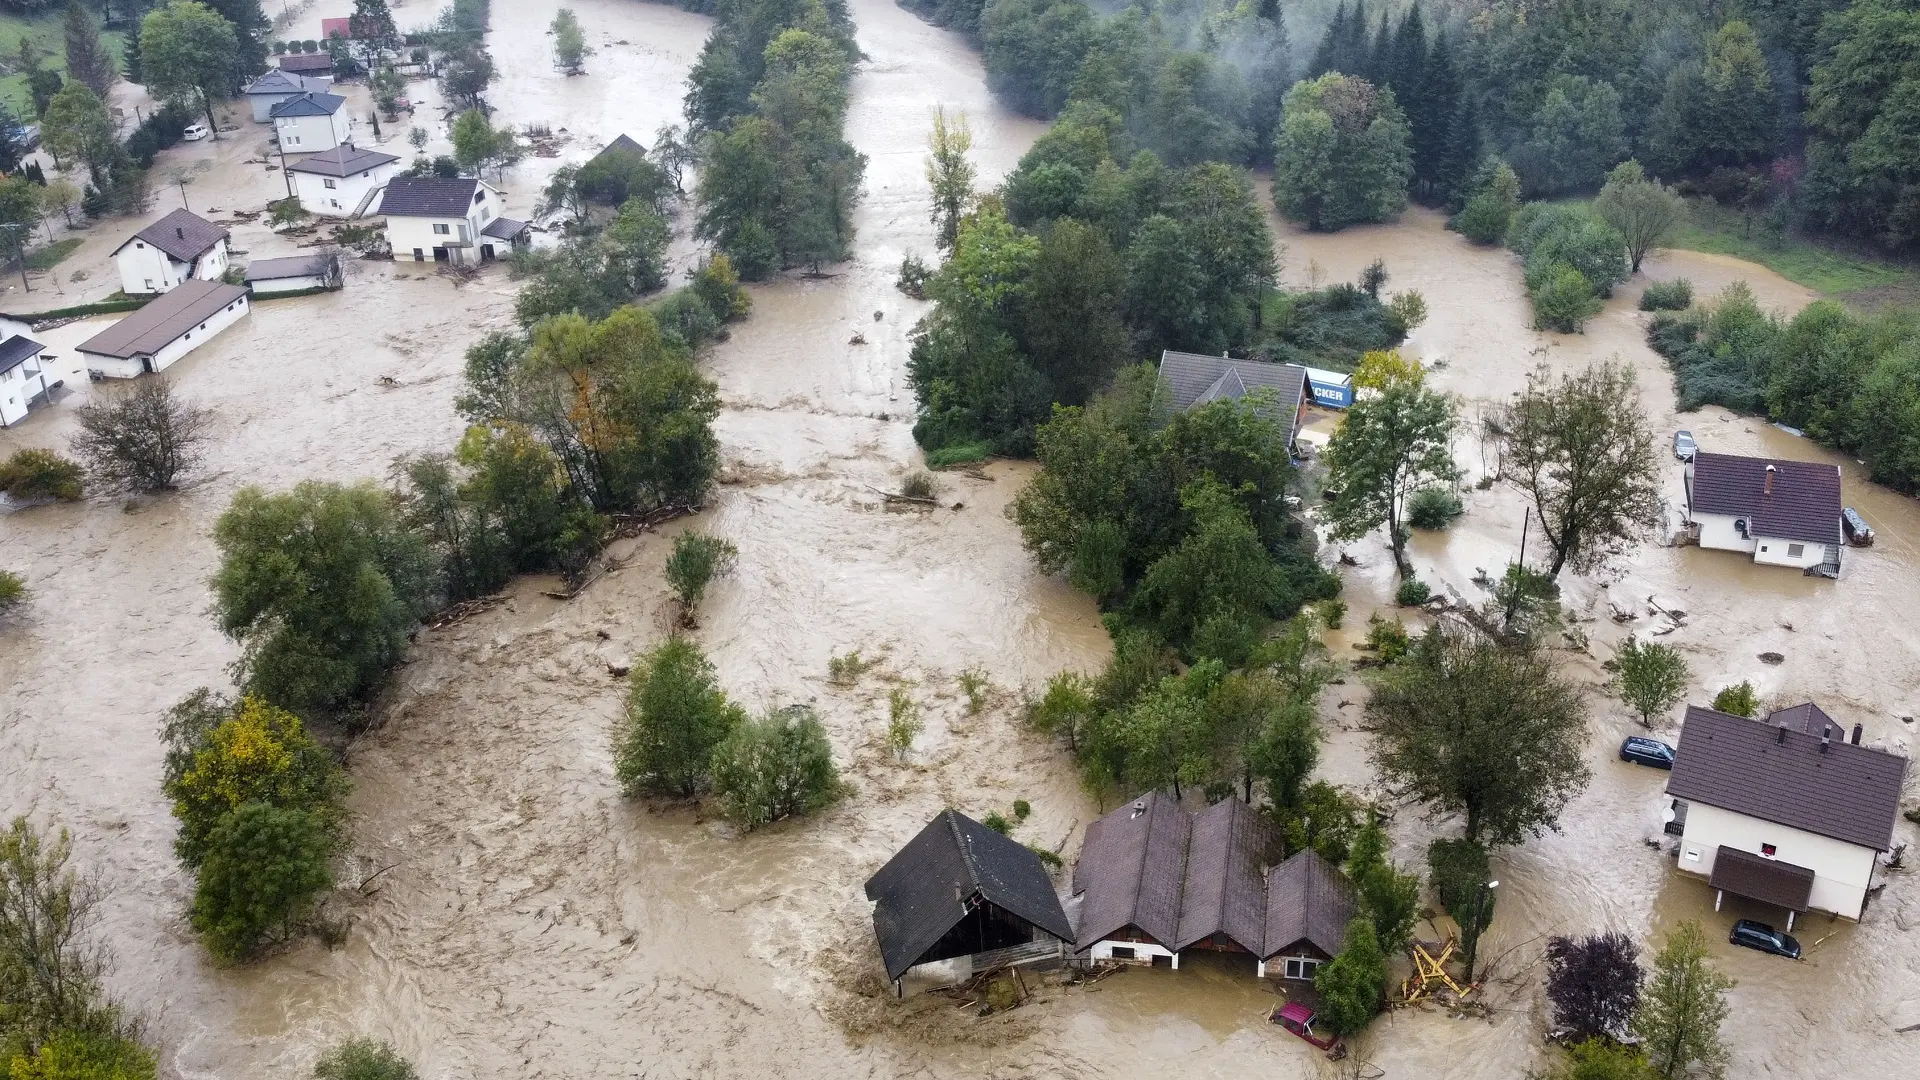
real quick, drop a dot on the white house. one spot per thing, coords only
(309, 123)
(154, 337)
(341, 182)
(277, 86)
(298, 273)
(1783, 513)
(25, 378)
(1787, 810)
(441, 219)
(179, 247)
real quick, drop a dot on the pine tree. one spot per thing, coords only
(130, 56)
(1353, 45)
(87, 59)
(1378, 66)
(1327, 57)
(1435, 118)
(1461, 156)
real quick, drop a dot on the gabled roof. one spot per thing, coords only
(292, 266)
(306, 62)
(621, 144)
(1781, 774)
(155, 326)
(279, 82)
(1192, 379)
(343, 160)
(183, 235)
(1308, 899)
(504, 228)
(1804, 503)
(1224, 891)
(1804, 717)
(17, 350)
(308, 104)
(954, 863)
(429, 196)
(1131, 870)
(1757, 877)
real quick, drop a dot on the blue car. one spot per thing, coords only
(1643, 751)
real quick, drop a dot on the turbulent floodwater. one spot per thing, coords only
(511, 916)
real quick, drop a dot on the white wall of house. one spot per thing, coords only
(409, 235)
(146, 270)
(313, 134)
(115, 367)
(1717, 531)
(1143, 952)
(17, 387)
(1778, 551)
(1842, 871)
(338, 196)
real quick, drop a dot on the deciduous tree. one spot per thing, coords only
(1385, 449)
(142, 437)
(1594, 984)
(1354, 984)
(1652, 677)
(676, 715)
(1682, 1007)
(950, 173)
(569, 43)
(261, 871)
(777, 766)
(1643, 210)
(696, 560)
(1341, 153)
(190, 54)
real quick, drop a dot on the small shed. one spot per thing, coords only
(297, 273)
(959, 889)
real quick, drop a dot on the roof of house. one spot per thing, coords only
(342, 26)
(308, 104)
(306, 62)
(504, 228)
(1308, 899)
(17, 350)
(1131, 870)
(1757, 877)
(291, 267)
(429, 196)
(932, 883)
(182, 235)
(1806, 717)
(343, 160)
(622, 143)
(155, 326)
(1224, 889)
(277, 81)
(1804, 503)
(1196, 380)
(1783, 774)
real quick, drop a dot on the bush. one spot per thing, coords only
(1387, 638)
(903, 722)
(696, 560)
(975, 685)
(775, 767)
(1412, 593)
(959, 454)
(846, 669)
(676, 716)
(918, 484)
(1331, 612)
(997, 822)
(1739, 699)
(13, 591)
(262, 869)
(1353, 985)
(1563, 299)
(82, 1054)
(141, 437)
(1022, 809)
(1433, 508)
(914, 274)
(1675, 295)
(363, 1059)
(34, 475)
(1484, 219)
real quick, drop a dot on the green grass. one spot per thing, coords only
(48, 33)
(46, 258)
(959, 454)
(1824, 269)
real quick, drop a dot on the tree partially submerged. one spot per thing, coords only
(1682, 1007)
(1387, 448)
(776, 766)
(1651, 677)
(696, 560)
(141, 437)
(676, 715)
(1353, 985)
(1643, 210)
(364, 1059)
(1594, 984)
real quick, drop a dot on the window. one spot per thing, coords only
(480, 196)
(1768, 850)
(1299, 967)
(1123, 952)
(1794, 551)
(1693, 854)
(140, 245)
(328, 183)
(149, 284)
(1763, 547)
(441, 230)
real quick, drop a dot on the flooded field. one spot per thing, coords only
(513, 917)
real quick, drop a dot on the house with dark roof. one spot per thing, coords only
(1783, 513)
(294, 273)
(309, 123)
(960, 891)
(1789, 811)
(177, 248)
(158, 335)
(443, 219)
(343, 181)
(1154, 881)
(1190, 379)
(314, 63)
(277, 86)
(24, 377)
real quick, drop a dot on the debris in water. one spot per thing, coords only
(858, 338)
(1772, 658)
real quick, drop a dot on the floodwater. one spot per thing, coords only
(511, 916)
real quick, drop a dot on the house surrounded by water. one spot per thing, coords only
(1190, 379)
(1783, 513)
(177, 248)
(1787, 811)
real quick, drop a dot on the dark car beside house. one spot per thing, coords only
(1758, 935)
(1649, 752)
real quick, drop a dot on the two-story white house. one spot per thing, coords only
(179, 247)
(1783, 513)
(310, 123)
(445, 219)
(343, 181)
(277, 86)
(24, 377)
(1787, 811)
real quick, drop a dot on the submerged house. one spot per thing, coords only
(1787, 811)
(1155, 881)
(154, 337)
(1783, 513)
(961, 890)
(1190, 379)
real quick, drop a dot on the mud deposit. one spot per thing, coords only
(511, 916)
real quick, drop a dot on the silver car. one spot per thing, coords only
(1683, 445)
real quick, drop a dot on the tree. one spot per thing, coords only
(88, 61)
(1577, 135)
(372, 24)
(188, 53)
(950, 174)
(1682, 1007)
(321, 586)
(141, 437)
(1594, 984)
(60, 197)
(1718, 112)
(75, 126)
(86, 1055)
(676, 715)
(1470, 726)
(1738, 699)
(1352, 986)
(1644, 211)
(777, 766)
(50, 968)
(221, 755)
(263, 867)
(33, 475)
(1652, 677)
(1581, 450)
(1073, 326)
(1219, 572)
(1286, 749)
(363, 1059)
(477, 144)
(1341, 153)
(1391, 899)
(1385, 449)
(696, 560)
(569, 44)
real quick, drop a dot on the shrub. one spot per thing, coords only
(1022, 809)
(141, 437)
(997, 822)
(1048, 858)
(676, 715)
(919, 484)
(82, 1054)
(1353, 985)
(903, 722)
(975, 685)
(1387, 638)
(846, 669)
(914, 275)
(363, 1059)
(1412, 593)
(32, 475)
(13, 591)
(1563, 299)
(696, 560)
(1739, 699)
(1433, 508)
(1331, 612)
(263, 866)
(1484, 219)
(959, 454)
(775, 767)
(1675, 295)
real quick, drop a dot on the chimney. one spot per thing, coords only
(1780, 735)
(181, 232)
(1768, 490)
(1826, 737)
(1857, 730)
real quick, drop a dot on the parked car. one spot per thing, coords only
(1859, 533)
(1298, 1019)
(26, 137)
(195, 132)
(1758, 935)
(1683, 445)
(1644, 751)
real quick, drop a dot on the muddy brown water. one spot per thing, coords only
(511, 916)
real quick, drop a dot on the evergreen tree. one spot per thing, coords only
(1719, 113)
(88, 61)
(1327, 57)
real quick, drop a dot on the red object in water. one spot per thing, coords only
(1298, 1019)
(330, 28)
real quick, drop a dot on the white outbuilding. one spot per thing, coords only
(154, 337)
(310, 123)
(343, 181)
(179, 247)
(277, 86)
(297, 273)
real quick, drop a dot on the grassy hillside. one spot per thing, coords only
(47, 34)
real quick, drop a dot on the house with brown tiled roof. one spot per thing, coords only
(1788, 811)
(1783, 513)
(177, 248)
